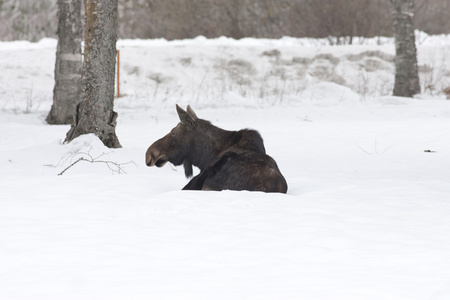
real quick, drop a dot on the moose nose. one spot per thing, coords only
(150, 157)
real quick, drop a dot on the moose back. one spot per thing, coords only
(228, 160)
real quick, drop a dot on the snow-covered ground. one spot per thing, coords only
(365, 217)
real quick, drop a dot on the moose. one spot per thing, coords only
(228, 160)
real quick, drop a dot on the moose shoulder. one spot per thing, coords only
(228, 160)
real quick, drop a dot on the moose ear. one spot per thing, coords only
(185, 118)
(191, 112)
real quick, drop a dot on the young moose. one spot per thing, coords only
(228, 160)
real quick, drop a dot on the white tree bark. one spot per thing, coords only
(94, 114)
(66, 92)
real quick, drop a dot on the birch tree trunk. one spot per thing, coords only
(94, 114)
(66, 92)
(406, 72)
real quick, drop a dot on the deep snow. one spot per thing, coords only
(365, 217)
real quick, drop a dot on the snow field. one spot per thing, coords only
(365, 216)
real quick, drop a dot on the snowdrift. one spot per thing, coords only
(365, 217)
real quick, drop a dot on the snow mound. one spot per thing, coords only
(85, 155)
(95, 157)
(329, 93)
(85, 143)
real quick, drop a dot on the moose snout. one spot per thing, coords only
(150, 156)
(154, 157)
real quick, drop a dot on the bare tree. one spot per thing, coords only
(339, 21)
(406, 72)
(27, 19)
(95, 114)
(178, 19)
(432, 16)
(66, 92)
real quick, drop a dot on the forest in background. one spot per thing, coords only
(179, 19)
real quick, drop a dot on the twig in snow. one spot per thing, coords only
(113, 166)
(376, 149)
(87, 157)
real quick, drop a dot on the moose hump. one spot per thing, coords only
(228, 160)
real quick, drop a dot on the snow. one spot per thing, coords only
(365, 217)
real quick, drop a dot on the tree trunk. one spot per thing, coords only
(66, 92)
(406, 72)
(94, 114)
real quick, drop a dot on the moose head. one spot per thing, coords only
(176, 146)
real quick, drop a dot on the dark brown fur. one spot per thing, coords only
(228, 160)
